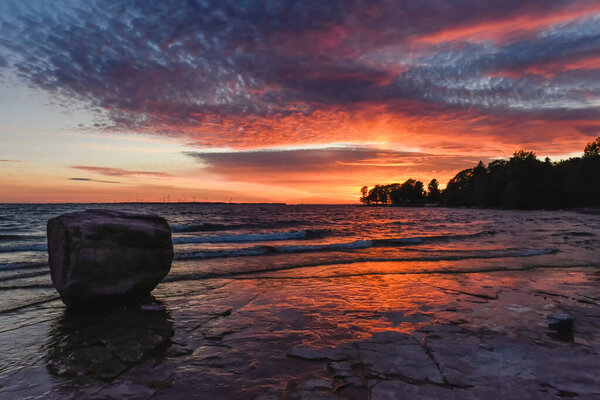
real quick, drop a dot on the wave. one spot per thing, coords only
(11, 237)
(312, 248)
(23, 274)
(469, 255)
(27, 286)
(22, 265)
(211, 226)
(205, 226)
(33, 302)
(263, 250)
(18, 248)
(573, 233)
(251, 237)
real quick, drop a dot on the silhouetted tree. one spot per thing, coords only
(378, 195)
(433, 191)
(365, 195)
(459, 188)
(410, 192)
(525, 182)
(523, 154)
(592, 149)
(522, 182)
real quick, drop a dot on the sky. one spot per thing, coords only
(284, 101)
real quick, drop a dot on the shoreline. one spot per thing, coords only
(340, 337)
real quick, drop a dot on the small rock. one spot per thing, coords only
(560, 322)
(221, 311)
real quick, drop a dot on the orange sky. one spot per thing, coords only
(296, 102)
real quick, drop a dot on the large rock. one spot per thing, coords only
(100, 257)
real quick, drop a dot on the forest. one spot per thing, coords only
(521, 182)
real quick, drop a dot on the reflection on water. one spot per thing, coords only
(104, 344)
(223, 239)
(253, 337)
(253, 284)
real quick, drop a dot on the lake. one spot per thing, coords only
(256, 291)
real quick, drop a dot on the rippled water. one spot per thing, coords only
(251, 282)
(314, 240)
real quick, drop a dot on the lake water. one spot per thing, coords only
(221, 240)
(250, 284)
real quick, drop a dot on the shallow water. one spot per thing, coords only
(221, 240)
(299, 276)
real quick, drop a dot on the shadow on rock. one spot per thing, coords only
(102, 344)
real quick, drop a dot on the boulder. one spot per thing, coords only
(103, 257)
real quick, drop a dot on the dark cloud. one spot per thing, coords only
(91, 180)
(590, 130)
(173, 66)
(108, 171)
(464, 76)
(253, 164)
(301, 160)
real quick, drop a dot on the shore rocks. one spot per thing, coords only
(103, 257)
(562, 324)
(103, 344)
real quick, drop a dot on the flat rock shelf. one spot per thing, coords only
(270, 336)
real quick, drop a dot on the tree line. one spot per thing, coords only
(521, 182)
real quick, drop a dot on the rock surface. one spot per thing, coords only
(100, 257)
(398, 337)
(103, 344)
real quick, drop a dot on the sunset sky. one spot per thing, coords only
(288, 101)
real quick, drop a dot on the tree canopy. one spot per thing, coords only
(408, 193)
(523, 182)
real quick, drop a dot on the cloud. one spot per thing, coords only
(109, 171)
(299, 160)
(471, 75)
(11, 161)
(590, 130)
(245, 75)
(91, 180)
(330, 166)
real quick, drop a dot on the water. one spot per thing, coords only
(225, 240)
(251, 282)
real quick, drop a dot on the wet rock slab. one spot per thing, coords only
(395, 338)
(453, 362)
(101, 345)
(386, 354)
(477, 359)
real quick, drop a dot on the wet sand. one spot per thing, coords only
(276, 335)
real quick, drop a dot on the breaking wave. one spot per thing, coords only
(311, 248)
(251, 237)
